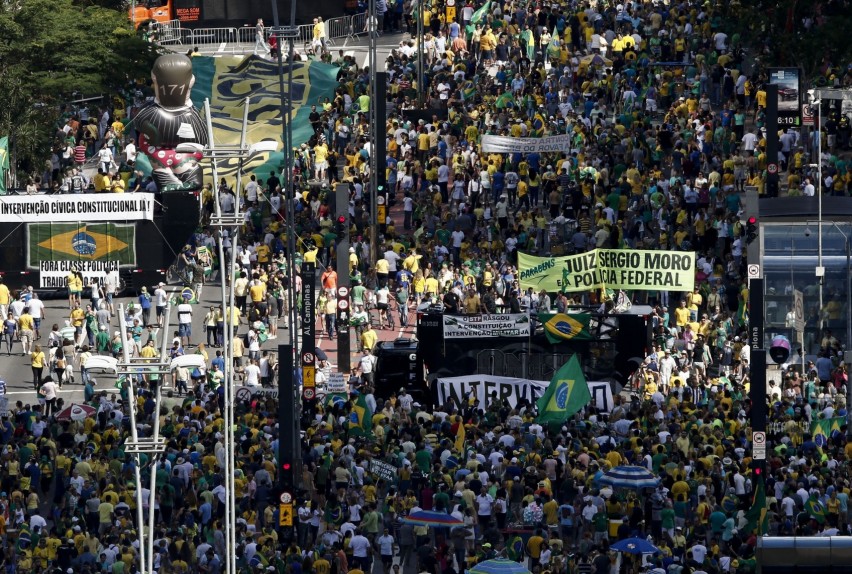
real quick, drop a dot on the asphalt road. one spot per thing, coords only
(15, 369)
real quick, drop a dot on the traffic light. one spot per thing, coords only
(341, 226)
(751, 229)
(287, 481)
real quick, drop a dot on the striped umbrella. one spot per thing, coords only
(498, 566)
(633, 477)
(431, 518)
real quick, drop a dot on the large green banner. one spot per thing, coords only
(228, 81)
(627, 269)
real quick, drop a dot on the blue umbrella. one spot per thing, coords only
(431, 518)
(633, 477)
(635, 546)
(498, 566)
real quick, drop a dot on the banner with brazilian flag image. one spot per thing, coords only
(560, 327)
(94, 250)
(566, 394)
(360, 418)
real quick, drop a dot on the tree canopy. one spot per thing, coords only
(52, 51)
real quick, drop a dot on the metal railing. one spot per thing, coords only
(244, 38)
(169, 32)
(359, 24)
(201, 36)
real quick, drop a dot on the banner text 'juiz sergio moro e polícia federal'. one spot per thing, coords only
(640, 270)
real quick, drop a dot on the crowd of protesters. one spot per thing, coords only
(665, 114)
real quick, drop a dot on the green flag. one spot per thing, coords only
(756, 515)
(4, 163)
(476, 17)
(566, 394)
(480, 14)
(361, 418)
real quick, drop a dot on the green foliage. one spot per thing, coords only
(778, 24)
(51, 49)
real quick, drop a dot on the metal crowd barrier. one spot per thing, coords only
(202, 36)
(169, 32)
(359, 24)
(244, 38)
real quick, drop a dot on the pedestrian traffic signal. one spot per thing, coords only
(751, 229)
(341, 226)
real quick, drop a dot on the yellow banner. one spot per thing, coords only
(638, 270)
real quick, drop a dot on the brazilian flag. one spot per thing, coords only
(823, 429)
(361, 418)
(815, 508)
(515, 548)
(756, 515)
(504, 100)
(566, 394)
(564, 327)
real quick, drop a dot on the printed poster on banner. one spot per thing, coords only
(383, 470)
(245, 393)
(627, 269)
(489, 389)
(336, 383)
(77, 207)
(504, 144)
(505, 325)
(94, 250)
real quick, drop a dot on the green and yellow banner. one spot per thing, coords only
(227, 81)
(560, 327)
(639, 270)
(80, 242)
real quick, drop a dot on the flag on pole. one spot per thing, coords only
(361, 418)
(476, 17)
(460, 436)
(756, 515)
(566, 394)
(480, 14)
(4, 163)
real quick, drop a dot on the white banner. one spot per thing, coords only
(505, 325)
(505, 144)
(244, 394)
(76, 207)
(487, 389)
(601, 392)
(336, 383)
(54, 274)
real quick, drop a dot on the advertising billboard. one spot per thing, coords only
(789, 85)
